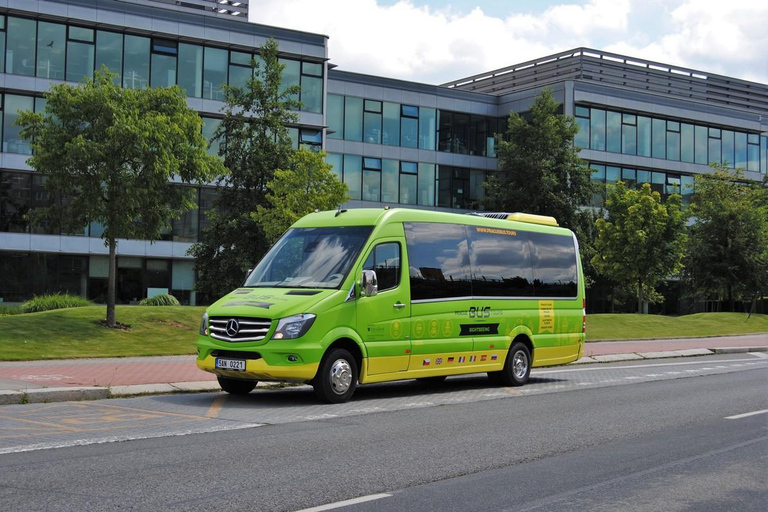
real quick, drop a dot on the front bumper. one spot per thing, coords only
(275, 360)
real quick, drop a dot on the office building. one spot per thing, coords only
(393, 142)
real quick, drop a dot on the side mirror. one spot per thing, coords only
(369, 284)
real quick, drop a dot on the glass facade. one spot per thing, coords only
(411, 183)
(410, 126)
(631, 134)
(60, 51)
(665, 183)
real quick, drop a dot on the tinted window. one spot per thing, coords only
(554, 265)
(439, 261)
(385, 261)
(501, 263)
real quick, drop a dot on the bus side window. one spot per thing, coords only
(385, 261)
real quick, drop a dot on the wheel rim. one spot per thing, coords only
(520, 364)
(341, 376)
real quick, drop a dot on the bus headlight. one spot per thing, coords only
(292, 327)
(204, 324)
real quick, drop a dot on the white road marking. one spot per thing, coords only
(117, 439)
(346, 503)
(602, 366)
(761, 355)
(746, 414)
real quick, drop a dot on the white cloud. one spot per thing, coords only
(433, 45)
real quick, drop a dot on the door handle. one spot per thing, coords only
(398, 305)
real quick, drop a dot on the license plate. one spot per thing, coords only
(237, 365)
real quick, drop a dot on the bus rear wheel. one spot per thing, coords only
(517, 367)
(236, 386)
(336, 378)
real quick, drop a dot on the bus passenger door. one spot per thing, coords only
(383, 320)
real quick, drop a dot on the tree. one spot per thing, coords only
(540, 171)
(112, 152)
(641, 241)
(254, 142)
(308, 185)
(727, 253)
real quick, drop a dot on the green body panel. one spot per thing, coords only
(395, 341)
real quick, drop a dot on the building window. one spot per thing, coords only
(2, 43)
(390, 180)
(659, 138)
(164, 56)
(673, 140)
(311, 139)
(408, 182)
(581, 139)
(353, 118)
(240, 70)
(191, 69)
(12, 141)
(109, 52)
(51, 42)
(629, 134)
(335, 116)
(214, 73)
(80, 54)
(597, 129)
(136, 62)
(426, 184)
(371, 179)
(427, 128)
(409, 126)
(372, 121)
(20, 46)
(312, 87)
(714, 146)
(613, 132)
(210, 125)
(353, 175)
(391, 124)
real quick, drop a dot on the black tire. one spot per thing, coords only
(336, 377)
(235, 386)
(517, 367)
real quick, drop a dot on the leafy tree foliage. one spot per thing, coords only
(308, 185)
(540, 172)
(253, 143)
(112, 153)
(641, 241)
(727, 254)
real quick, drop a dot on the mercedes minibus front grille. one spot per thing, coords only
(228, 328)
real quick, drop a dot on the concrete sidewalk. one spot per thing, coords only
(83, 379)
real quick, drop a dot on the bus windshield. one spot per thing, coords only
(310, 258)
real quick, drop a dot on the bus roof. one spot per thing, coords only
(376, 216)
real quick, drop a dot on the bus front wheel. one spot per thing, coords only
(336, 378)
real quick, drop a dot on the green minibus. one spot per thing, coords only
(358, 296)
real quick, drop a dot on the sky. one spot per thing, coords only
(437, 41)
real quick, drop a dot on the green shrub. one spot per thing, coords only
(54, 301)
(6, 310)
(164, 299)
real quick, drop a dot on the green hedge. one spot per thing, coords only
(55, 301)
(163, 299)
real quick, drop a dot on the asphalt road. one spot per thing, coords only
(638, 436)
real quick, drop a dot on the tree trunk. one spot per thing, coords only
(639, 297)
(111, 282)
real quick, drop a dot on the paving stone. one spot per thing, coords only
(616, 357)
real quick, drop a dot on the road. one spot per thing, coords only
(633, 436)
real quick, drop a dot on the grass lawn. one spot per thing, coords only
(632, 326)
(74, 333)
(169, 330)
